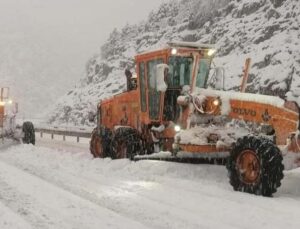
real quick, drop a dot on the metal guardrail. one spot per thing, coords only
(64, 133)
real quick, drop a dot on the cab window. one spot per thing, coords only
(203, 71)
(180, 71)
(153, 94)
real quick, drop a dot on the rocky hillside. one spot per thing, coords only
(265, 30)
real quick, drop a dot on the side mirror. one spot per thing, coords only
(91, 116)
(4, 93)
(16, 108)
(217, 79)
(220, 78)
(160, 77)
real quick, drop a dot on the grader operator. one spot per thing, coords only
(174, 108)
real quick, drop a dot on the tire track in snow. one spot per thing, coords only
(11, 220)
(21, 205)
(149, 211)
(146, 205)
(44, 205)
(222, 206)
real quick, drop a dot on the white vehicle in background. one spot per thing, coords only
(9, 129)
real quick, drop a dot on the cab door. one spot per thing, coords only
(154, 96)
(1, 115)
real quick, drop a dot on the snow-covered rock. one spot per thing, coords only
(265, 30)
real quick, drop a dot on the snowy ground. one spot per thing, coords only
(59, 185)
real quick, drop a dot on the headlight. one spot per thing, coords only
(2, 103)
(211, 52)
(10, 102)
(177, 128)
(216, 102)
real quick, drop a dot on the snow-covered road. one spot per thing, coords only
(55, 185)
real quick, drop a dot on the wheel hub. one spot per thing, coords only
(98, 148)
(122, 150)
(248, 166)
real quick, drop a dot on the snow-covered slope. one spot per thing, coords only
(265, 30)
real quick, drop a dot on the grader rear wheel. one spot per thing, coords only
(96, 145)
(99, 144)
(126, 143)
(255, 166)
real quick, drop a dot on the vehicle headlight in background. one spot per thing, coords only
(174, 51)
(177, 128)
(211, 52)
(2, 103)
(10, 102)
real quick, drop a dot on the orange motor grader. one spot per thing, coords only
(172, 107)
(8, 121)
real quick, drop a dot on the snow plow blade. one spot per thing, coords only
(184, 157)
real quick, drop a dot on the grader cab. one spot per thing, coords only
(174, 108)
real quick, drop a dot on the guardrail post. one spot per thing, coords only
(64, 133)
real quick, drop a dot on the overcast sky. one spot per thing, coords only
(45, 44)
(84, 24)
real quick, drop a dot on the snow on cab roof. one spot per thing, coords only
(179, 44)
(185, 44)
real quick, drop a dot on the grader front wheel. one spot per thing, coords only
(28, 133)
(96, 145)
(255, 166)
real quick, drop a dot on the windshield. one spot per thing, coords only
(180, 71)
(203, 71)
